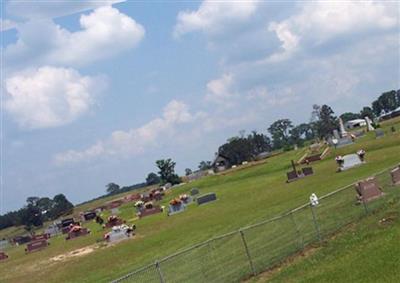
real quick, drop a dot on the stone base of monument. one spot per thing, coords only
(344, 142)
(295, 175)
(395, 173)
(119, 233)
(203, 199)
(368, 190)
(36, 245)
(77, 234)
(350, 161)
(174, 209)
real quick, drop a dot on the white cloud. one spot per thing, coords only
(49, 97)
(320, 21)
(37, 9)
(137, 140)
(265, 98)
(219, 91)
(214, 16)
(105, 32)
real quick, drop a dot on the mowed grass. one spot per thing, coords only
(245, 196)
(365, 252)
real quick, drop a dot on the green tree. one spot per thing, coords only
(188, 171)
(61, 206)
(367, 112)
(167, 171)
(327, 122)
(386, 102)
(205, 165)
(112, 188)
(280, 133)
(152, 179)
(350, 116)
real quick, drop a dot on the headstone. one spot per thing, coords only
(36, 245)
(3, 256)
(53, 230)
(114, 221)
(194, 191)
(149, 211)
(119, 233)
(344, 141)
(206, 198)
(307, 171)
(4, 244)
(72, 234)
(395, 173)
(343, 132)
(291, 176)
(368, 189)
(88, 215)
(369, 124)
(350, 161)
(20, 240)
(177, 208)
(379, 133)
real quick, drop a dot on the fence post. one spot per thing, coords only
(297, 231)
(159, 272)
(365, 206)
(315, 222)
(247, 252)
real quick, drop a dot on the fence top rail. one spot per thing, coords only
(280, 216)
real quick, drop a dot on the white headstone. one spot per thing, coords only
(314, 200)
(369, 124)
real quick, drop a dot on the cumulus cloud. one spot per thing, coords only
(219, 91)
(135, 141)
(320, 21)
(36, 9)
(49, 97)
(105, 32)
(6, 24)
(213, 17)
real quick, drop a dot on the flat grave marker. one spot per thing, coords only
(379, 133)
(203, 199)
(194, 191)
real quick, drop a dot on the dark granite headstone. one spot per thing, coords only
(291, 176)
(368, 189)
(307, 171)
(3, 256)
(395, 173)
(206, 198)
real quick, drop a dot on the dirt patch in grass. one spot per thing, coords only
(389, 219)
(76, 253)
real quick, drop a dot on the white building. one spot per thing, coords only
(356, 123)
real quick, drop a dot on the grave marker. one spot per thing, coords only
(350, 161)
(206, 198)
(395, 173)
(3, 256)
(368, 189)
(379, 133)
(194, 191)
(36, 245)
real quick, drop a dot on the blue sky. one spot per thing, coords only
(95, 92)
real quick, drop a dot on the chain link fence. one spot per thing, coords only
(240, 254)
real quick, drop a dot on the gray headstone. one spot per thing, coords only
(206, 198)
(336, 134)
(350, 161)
(379, 133)
(194, 191)
(174, 209)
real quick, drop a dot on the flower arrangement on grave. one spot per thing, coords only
(339, 160)
(175, 201)
(139, 203)
(361, 154)
(184, 197)
(148, 205)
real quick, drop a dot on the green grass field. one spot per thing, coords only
(245, 196)
(364, 252)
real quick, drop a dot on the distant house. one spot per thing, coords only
(356, 123)
(221, 163)
(390, 115)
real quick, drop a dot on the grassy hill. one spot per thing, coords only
(245, 196)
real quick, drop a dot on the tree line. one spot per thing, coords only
(36, 211)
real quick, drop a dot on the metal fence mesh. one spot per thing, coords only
(253, 249)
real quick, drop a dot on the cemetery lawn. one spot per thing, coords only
(246, 195)
(365, 252)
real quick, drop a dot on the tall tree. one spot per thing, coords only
(167, 171)
(327, 122)
(188, 171)
(280, 132)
